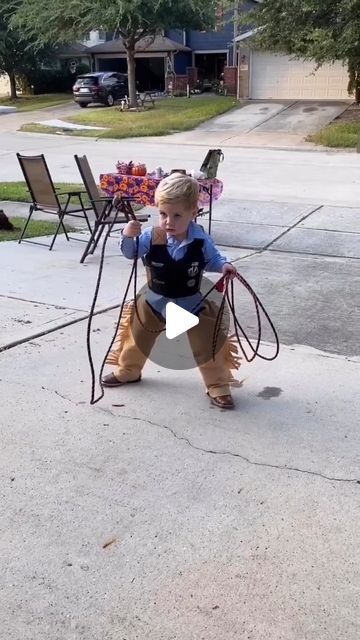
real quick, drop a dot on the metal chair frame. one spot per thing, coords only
(53, 206)
(103, 206)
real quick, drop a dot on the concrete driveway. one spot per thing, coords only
(303, 117)
(287, 117)
(266, 123)
(12, 121)
(150, 515)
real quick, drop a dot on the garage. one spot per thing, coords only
(151, 59)
(279, 77)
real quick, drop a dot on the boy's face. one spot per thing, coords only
(175, 218)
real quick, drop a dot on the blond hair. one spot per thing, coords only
(178, 186)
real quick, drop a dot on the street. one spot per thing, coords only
(319, 177)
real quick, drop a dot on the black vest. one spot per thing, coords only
(175, 278)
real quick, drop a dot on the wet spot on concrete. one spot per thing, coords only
(269, 392)
(309, 109)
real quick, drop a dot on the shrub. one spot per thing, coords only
(54, 80)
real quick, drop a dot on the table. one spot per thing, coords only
(143, 188)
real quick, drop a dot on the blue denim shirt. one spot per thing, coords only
(214, 262)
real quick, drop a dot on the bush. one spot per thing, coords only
(54, 80)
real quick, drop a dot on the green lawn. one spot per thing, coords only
(170, 115)
(341, 135)
(36, 228)
(32, 103)
(17, 191)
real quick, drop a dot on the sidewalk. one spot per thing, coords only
(152, 515)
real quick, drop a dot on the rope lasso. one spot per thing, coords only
(94, 400)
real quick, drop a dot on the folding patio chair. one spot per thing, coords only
(45, 198)
(106, 208)
(210, 167)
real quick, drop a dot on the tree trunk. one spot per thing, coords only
(13, 94)
(357, 87)
(357, 95)
(130, 55)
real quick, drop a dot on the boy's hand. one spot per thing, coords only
(229, 270)
(132, 229)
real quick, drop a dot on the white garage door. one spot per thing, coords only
(277, 76)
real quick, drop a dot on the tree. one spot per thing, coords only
(18, 56)
(322, 30)
(70, 20)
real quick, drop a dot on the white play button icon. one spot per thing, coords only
(178, 320)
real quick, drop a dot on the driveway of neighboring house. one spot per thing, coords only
(286, 117)
(244, 120)
(303, 117)
(13, 121)
(282, 124)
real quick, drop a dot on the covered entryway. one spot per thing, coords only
(210, 65)
(279, 77)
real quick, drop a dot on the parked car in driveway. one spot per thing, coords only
(103, 87)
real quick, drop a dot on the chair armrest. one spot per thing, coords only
(104, 199)
(69, 193)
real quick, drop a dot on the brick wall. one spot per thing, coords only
(180, 81)
(192, 74)
(177, 83)
(230, 79)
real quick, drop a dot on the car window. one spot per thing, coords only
(108, 79)
(89, 80)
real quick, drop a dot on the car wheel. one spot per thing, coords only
(110, 100)
(83, 104)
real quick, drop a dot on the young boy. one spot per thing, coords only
(175, 254)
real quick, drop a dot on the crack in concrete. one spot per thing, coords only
(217, 452)
(233, 454)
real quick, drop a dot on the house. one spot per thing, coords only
(177, 57)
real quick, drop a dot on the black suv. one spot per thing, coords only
(103, 86)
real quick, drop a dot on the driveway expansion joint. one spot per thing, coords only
(288, 229)
(44, 304)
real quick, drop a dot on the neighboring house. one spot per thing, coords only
(178, 56)
(265, 75)
(154, 59)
